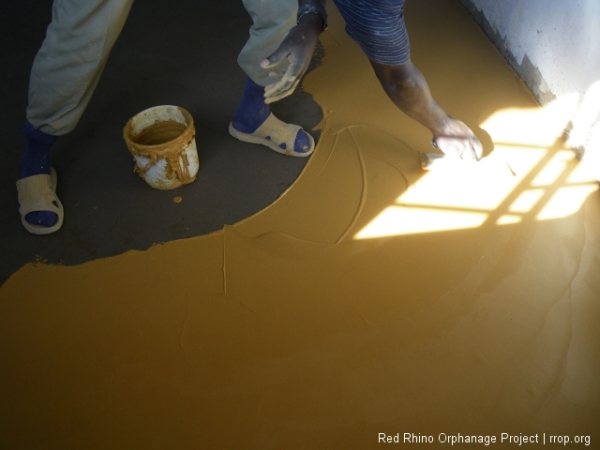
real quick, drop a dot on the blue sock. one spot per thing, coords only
(253, 111)
(36, 161)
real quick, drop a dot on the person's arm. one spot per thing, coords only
(406, 87)
(297, 46)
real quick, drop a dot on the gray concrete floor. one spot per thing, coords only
(184, 56)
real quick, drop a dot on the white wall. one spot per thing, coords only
(554, 46)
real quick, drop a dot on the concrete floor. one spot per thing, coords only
(371, 298)
(189, 60)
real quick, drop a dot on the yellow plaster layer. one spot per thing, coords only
(372, 297)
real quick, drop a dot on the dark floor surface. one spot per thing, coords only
(183, 56)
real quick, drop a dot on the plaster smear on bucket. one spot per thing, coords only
(162, 141)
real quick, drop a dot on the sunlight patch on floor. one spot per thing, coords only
(527, 176)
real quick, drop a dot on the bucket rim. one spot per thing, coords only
(186, 114)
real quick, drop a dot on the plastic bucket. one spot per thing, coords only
(162, 142)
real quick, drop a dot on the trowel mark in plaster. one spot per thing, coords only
(224, 269)
(385, 132)
(373, 384)
(328, 156)
(359, 150)
(325, 127)
(224, 263)
(585, 387)
(363, 192)
(183, 323)
(400, 170)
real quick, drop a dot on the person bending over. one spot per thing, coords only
(377, 26)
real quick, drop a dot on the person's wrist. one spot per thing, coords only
(311, 13)
(311, 23)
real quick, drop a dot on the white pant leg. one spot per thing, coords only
(69, 63)
(272, 20)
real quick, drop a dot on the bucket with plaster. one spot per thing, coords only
(162, 142)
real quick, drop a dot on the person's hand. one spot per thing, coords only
(458, 141)
(297, 46)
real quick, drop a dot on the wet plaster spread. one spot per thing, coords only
(313, 325)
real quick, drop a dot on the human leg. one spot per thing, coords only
(67, 68)
(271, 21)
(253, 122)
(36, 161)
(65, 73)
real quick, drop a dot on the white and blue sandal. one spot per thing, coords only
(276, 135)
(38, 193)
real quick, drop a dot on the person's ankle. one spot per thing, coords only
(36, 158)
(252, 110)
